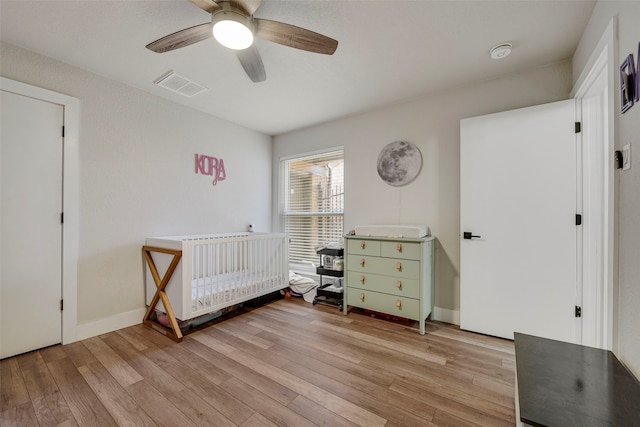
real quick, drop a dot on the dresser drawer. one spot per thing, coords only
(363, 247)
(400, 250)
(407, 269)
(384, 303)
(409, 288)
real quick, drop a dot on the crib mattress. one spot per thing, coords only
(409, 231)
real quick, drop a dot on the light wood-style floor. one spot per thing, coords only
(287, 363)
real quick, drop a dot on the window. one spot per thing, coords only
(312, 203)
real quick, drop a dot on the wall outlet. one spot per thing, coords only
(626, 157)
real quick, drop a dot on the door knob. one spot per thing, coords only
(467, 235)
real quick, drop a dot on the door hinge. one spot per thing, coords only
(63, 131)
(61, 217)
(578, 311)
(578, 219)
(578, 127)
(61, 305)
(617, 158)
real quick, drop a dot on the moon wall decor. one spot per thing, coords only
(399, 163)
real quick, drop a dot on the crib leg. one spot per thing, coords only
(161, 283)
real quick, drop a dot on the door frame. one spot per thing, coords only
(601, 61)
(70, 173)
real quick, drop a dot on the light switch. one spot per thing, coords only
(626, 157)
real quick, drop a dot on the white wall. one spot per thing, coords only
(433, 124)
(627, 13)
(137, 179)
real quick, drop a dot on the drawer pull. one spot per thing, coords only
(362, 262)
(399, 266)
(399, 247)
(399, 284)
(362, 296)
(362, 245)
(362, 279)
(399, 304)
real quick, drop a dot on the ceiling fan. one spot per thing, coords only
(234, 26)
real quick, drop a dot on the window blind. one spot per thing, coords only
(312, 200)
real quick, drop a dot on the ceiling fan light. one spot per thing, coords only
(230, 31)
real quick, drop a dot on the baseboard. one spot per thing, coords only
(446, 315)
(134, 317)
(110, 324)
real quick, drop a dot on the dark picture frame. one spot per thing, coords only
(627, 83)
(637, 82)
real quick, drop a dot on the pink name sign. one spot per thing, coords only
(211, 166)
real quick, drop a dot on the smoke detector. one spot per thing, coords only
(500, 51)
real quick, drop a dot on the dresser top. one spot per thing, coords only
(391, 238)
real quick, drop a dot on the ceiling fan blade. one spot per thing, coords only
(252, 63)
(181, 38)
(249, 5)
(296, 37)
(206, 5)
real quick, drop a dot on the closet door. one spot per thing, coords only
(31, 147)
(518, 206)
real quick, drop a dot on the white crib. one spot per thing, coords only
(210, 272)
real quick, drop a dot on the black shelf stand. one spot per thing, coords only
(323, 294)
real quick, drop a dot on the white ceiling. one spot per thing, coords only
(389, 51)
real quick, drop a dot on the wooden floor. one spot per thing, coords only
(287, 363)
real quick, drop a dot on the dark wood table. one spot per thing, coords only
(562, 384)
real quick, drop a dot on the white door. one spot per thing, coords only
(596, 177)
(518, 194)
(31, 204)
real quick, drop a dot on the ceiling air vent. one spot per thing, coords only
(179, 84)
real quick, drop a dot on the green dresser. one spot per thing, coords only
(390, 275)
